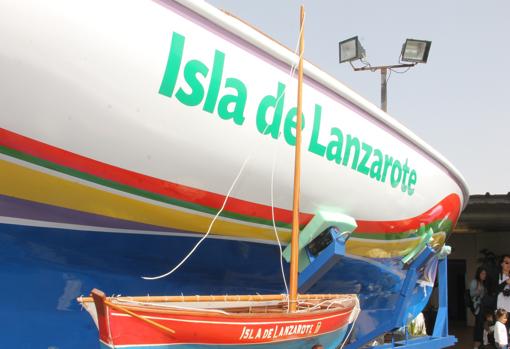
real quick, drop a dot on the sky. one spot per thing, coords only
(457, 102)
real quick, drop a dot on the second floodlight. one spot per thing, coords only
(416, 51)
(350, 50)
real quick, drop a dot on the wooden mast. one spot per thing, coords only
(297, 175)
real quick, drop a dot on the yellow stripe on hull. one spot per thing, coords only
(389, 248)
(24, 183)
(29, 184)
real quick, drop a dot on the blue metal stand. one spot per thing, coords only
(440, 338)
(323, 262)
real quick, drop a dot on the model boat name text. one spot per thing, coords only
(277, 331)
(205, 86)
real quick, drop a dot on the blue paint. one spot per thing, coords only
(440, 337)
(319, 265)
(329, 341)
(43, 270)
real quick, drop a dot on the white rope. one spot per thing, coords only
(275, 230)
(358, 310)
(292, 70)
(208, 230)
(291, 75)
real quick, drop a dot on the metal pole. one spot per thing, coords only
(384, 78)
(384, 102)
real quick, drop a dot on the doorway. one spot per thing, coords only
(456, 290)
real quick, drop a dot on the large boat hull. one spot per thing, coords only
(62, 264)
(119, 144)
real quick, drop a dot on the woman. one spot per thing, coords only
(503, 288)
(477, 290)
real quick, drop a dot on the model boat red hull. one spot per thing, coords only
(129, 323)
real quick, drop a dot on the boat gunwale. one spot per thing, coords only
(220, 298)
(296, 316)
(148, 311)
(147, 308)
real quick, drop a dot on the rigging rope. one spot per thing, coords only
(291, 75)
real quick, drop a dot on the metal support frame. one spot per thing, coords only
(440, 338)
(398, 319)
(384, 80)
(321, 264)
(441, 325)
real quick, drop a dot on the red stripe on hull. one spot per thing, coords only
(449, 207)
(136, 180)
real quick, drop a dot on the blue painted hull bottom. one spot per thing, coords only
(43, 270)
(329, 341)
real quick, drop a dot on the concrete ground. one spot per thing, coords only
(464, 335)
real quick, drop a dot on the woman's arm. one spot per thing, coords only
(474, 290)
(502, 285)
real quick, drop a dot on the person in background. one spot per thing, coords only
(500, 331)
(503, 288)
(488, 331)
(477, 291)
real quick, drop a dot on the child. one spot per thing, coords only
(488, 331)
(500, 331)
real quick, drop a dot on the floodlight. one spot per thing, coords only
(416, 51)
(350, 50)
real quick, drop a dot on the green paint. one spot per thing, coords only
(271, 102)
(289, 126)
(191, 70)
(232, 106)
(215, 84)
(315, 147)
(377, 164)
(204, 82)
(334, 150)
(137, 192)
(396, 169)
(351, 142)
(439, 225)
(388, 160)
(404, 179)
(172, 66)
(367, 149)
(412, 182)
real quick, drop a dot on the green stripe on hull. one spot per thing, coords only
(437, 226)
(440, 225)
(135, 191)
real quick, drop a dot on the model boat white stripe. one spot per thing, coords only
(233, 322)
